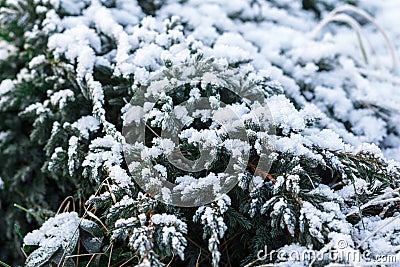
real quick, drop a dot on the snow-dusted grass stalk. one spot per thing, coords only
(336, 15)
(378, 200)
(378, 229)
(353, 23)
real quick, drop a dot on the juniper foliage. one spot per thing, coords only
(71, 68)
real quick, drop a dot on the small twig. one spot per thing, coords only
(92, 215)
(23, 252)
(80, 221)
(62, 204)
(311, 181)
(148, 126)
(321, 252)
(378, 200)
(78, 251)
(251, 263)
(91, 258)
(83, 255)
(196, 244)
(262, 173)
(111, 193)
(109, 258)
(62, 260)
(173, 256)
(231, 238)
(128, 261)
(377, 230)
(198, 259)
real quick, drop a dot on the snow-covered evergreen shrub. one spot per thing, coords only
(69, 68)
